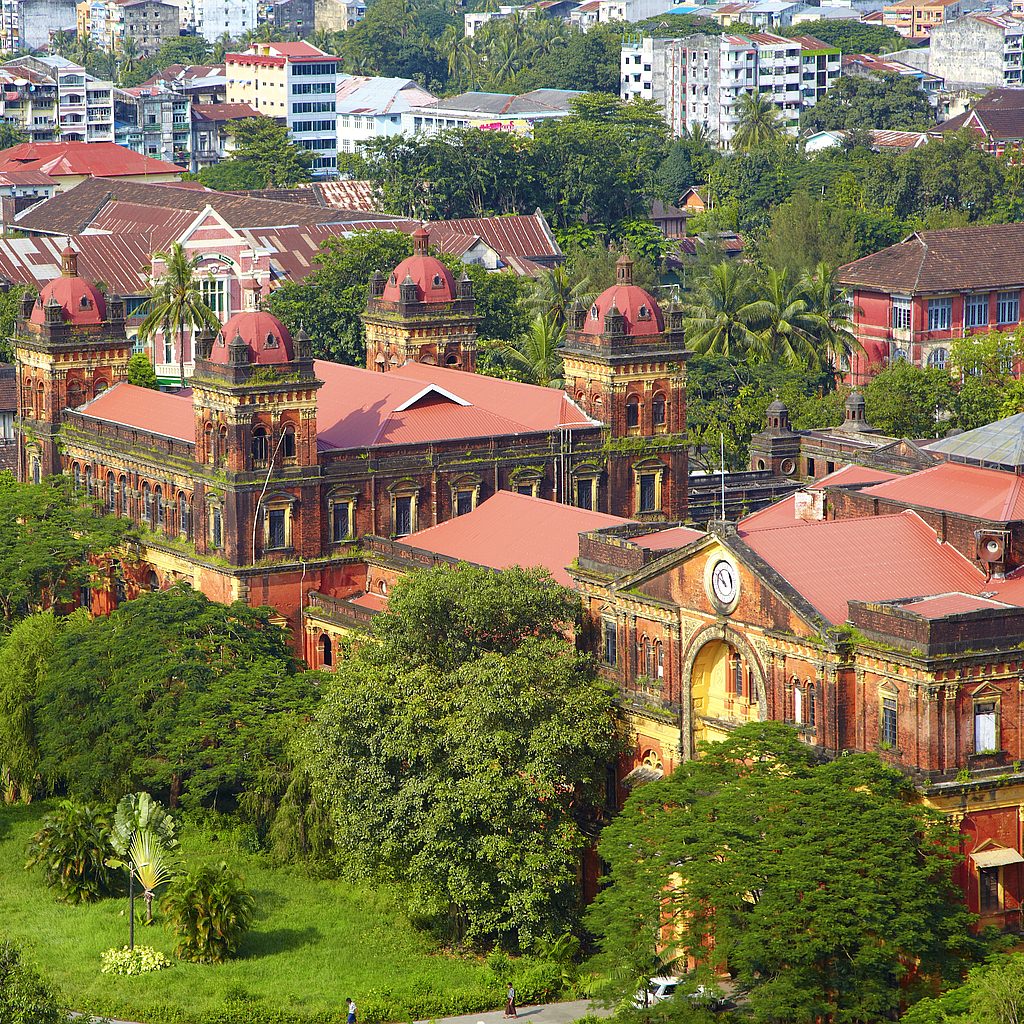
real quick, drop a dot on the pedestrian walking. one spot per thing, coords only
(351, 1011)
(510, 1002)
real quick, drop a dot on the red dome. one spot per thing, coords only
(81, 302)
(642, 314)
(265, 336)
(433, 280)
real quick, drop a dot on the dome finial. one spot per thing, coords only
(624, 269)
(69, 261)
(421, 241)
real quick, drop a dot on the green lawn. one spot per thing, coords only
(313, 944)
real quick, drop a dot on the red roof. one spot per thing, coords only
(853, 475)
(116, 259)
(954, 487)
(642, 314)
(668, 540)
(158, 412)
(95, 159)
(223, 111)
(525, 236)
(514, 529)
(417, 403)
(877, 558)
(81, 302)
(433, 280)
(265, 336)
(950, 604)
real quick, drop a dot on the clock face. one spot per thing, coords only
(724, 582)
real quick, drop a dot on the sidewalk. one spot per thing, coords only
(549, 1013)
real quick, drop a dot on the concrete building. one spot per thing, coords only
(978, 50)
(301, 17)
(700, 79)
(150, 23)
(28, 100)
(477, 19)
(915, 19)
(871, 64)
(371, 107)
(211, 141)
(492, 111)
(35, 21)
(296, 83)
(213, 19)
(201, 83)
(154, 121)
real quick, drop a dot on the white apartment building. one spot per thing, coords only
(700, 79)
(296, 83)
(477, 19)
(213, 19)
(368, 108)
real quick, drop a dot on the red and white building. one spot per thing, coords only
(912, 300)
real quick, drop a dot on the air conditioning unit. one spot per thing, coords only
(990, 545)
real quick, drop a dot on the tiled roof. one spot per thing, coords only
(954, 487)
(877, 558)
(118, 260)
(158, 412)
(514, 529)
(996, 444)
(98, 159)
(361, 409)
(949, 259)
(73, 211)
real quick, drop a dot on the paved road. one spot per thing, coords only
(550, 1013)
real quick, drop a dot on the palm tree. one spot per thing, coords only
(129, 59)
(176, 303)
(791, 328)
(836, 334)
(553, 292)
(724, 313)
(149, 865)
(455, 48)
(222, 46)
(537, 354)
(323, 39)
(62, 42)
(758, 124)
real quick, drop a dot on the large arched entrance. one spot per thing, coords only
(726, 687)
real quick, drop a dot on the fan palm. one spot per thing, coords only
(537, 354)
(790, 327)
(149, 865)
(724, 314)
(759, 124)
(177, 305)
(836, 334)
(553, 292)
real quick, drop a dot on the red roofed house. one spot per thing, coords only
(69, 163)
(912, 299)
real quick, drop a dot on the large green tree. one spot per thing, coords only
(24, 997)
(884, 102)
(824, 888)
(48, 532)
(759, 124)
(463, 748)
(909, 401)
(171, 693)
(850, 35)
(725, 312)
(264, 157)
(328, 303)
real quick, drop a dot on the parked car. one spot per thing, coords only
(660, 989)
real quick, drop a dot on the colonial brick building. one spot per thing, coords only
(912, 299)
(256, 482)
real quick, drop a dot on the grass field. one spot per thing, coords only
(313, 944)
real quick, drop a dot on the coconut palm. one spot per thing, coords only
(536, 354)
(836, 334)
(128, 59)
(553, 292)
(791, 328)
(176, 304)
(456, 49)
(759, 124)
(724, 313)
(62, 42)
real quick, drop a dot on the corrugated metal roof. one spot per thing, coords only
(363, 94)
(158, 412)
(514, 529)
(117, 260)
(99, 159)
(878, 558)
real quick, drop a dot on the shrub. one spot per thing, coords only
(210, 910)
(24, 998)
(72, 847)
(140, 960)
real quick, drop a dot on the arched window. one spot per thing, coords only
(645, 657)
(736, 667)
(111, 493)
(158, 493)
(88, 480)
(451, 359)
(798, 705)
(153, 581)
(659, 660)
(99, 387)
(77, 476)
(147, 501)
(222, 448)
(288, 443)
(326, 650)
(811, 705)
(208, 441)
(124, 496)
(271, 341)
(37, 471)
(260, 446)
(183, 516)
(658, 409)
(40, 400)
(633, 411)
(74, 394)
(643, 313)
(937, 357)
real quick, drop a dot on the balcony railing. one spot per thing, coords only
(339, 611)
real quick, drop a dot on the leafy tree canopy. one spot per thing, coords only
(850, 35)
(24, 997)
(462, 750)
(908, 401)
(811, 921)
(196, 697)
(883, 102)
(264, 156)
(141, 372)
(993, 993)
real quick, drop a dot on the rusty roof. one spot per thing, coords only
(514, 529)
(946, 260)
(527, 236)
(117, 260)
(99, 159)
